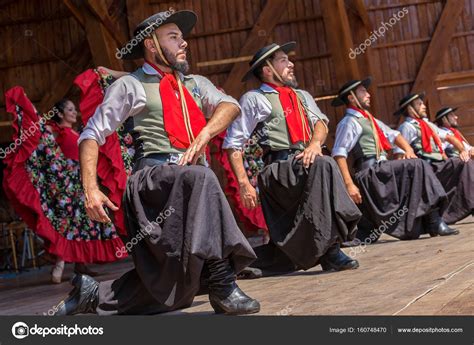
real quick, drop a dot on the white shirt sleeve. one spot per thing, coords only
(348, 132)
(315, 114)
(255, 108)
(390, 133)
(442, 133)
(408, 131)
(125, 97)
(211, 96)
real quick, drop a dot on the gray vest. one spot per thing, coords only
(365, 146)
(418, 146)
(277, 136)
(148, 127)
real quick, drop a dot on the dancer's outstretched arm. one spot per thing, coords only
(95, 199)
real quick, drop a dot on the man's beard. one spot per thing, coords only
(291, 83)
(180, 66)
(365, 105)
(452, 124)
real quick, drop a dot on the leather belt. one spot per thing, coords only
(280, 155)
(365, 162)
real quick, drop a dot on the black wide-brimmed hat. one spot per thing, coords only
(405, 101)
(185, 20)
(348, 87)
(443, 112)
(264, 53)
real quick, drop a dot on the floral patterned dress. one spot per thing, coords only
(44, 187)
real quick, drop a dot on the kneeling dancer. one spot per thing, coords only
(402, 197)
(178, 219)
(306, 207)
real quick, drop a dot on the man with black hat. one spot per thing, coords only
(447, 120)
(395, 197)
(305, 204)
(179, 222)
(426, 139)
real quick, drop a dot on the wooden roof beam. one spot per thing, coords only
(266, 21)
(99, 9)
(339, 38)
(436, 50)
(75, 12)
(68, 70)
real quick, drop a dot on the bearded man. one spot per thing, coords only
(191, 234)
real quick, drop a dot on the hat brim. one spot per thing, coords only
(185, 20)
(400, 110)
(286, 48)
(446, 113)
(337, 102)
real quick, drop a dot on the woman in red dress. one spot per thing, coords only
(42, 182)
(66, 137)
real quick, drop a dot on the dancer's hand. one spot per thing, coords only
(248, 195)
(309, 154)
(196, 149)
(410, 154)
(464, 156)
(354, 193)
(95, 201)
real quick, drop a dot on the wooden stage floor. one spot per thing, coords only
(429, 276)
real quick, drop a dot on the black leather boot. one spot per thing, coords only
(436, 225)
(83, 299)
(336, 260)
(224, 294)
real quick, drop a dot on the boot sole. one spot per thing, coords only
(451, 233)
(219, 310)
(330, 267)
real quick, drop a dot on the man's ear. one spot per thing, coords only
(150, 45)
(267, 71)
(350, 98)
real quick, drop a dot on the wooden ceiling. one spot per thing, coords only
(46, 44)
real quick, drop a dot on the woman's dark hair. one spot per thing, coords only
(59, 108)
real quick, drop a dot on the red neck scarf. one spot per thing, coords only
(173, 117)
(379, 135)
(426, 134)
(457, 134)
(296, 121)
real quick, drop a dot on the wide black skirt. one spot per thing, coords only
(306, 210)
(457, 179)
(177, 218)
(396, 195)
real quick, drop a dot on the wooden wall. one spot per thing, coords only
(47, 43)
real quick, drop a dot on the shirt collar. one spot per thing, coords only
(148, 69)
(353, 112)
(412, 120)
(267, 88)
